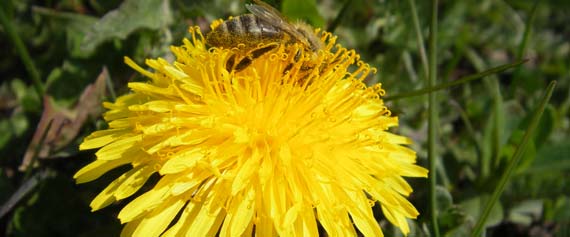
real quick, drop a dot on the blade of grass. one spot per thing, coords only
(27, 186)
(497, 119)
(521, 51)
(432, 110)
(514, 161)
(408, 64)
(419, 37)
(22, 52)
(522, 47)
(456, 82)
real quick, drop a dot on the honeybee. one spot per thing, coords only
(264, 25)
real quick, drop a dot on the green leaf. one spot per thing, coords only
(544, 129)
(130, 16)
(65, 83)
(551, 158)
(303, 10)
(526, 79)
(76, 27)
(443, 197)
(486, 149)
(27, 97)
(19, 124)
(508, 150)
(562, 209)
(451, 219)
(474, 207)
(461, 231)
(526, 211)
(18, 88)
(415, 230)
(505, 176)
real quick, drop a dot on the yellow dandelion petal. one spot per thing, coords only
(117, 150)
(292, 143)
(156, 221)
(208, 219)
(130, 228)
(239, 215)
(97, 168)
(181, 227)
(101, 138)
(143, 203)
(362, 215)
(133, 182)
(105, 197)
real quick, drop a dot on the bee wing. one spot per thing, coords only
(262, 9)
(269, 14)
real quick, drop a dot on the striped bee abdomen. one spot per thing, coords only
(245, 29)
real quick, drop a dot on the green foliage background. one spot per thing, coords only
(480, 123)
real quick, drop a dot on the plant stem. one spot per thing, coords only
(432, 126)
(419, 37)
(332, 27)
(455, 82)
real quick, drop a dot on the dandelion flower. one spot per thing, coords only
(294, 143)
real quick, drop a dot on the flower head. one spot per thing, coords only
(293, 141)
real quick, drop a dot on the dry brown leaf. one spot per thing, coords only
(66, 123)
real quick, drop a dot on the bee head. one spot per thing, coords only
(309, 35)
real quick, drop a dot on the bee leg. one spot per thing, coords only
(305, 71)
(252, 55)
(298, 55)
(243, 63)
(287, 68)
(306, 67)
(231, 63)
(296, 59)
(256, 53)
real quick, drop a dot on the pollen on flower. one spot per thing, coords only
(293, 141)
